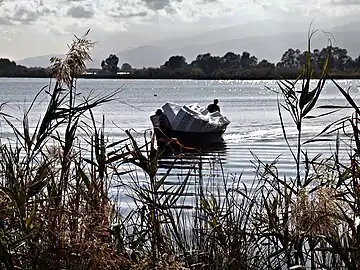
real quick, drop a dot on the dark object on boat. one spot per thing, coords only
(214, 107)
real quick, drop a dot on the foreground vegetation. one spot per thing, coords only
(57, 211)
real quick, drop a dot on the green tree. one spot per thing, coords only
(247, 61)
(126, 67)
(111, 63)
(265, 64)
(357, 63)
(6, 64)
(290, 59)
(176, 62)
(230, 61)
(340, 58)
(208, 63)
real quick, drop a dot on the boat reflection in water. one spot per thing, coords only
(189, 155)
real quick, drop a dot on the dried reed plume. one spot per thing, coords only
(74, 63)
(318, 213)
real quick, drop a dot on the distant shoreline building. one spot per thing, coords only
(92, 72)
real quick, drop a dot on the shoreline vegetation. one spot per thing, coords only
(60, 185)
(231, 66)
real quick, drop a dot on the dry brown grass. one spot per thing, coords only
(318, 213)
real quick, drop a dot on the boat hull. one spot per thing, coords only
(189, 138)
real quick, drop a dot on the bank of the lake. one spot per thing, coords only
(154, 74)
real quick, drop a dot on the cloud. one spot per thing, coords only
(156, 4)
(129, 14)
(175, 16)
(194, 10)
(81, 11)
(165, 4)
(5, 36)
(108, 12)
(345, 2)
(23, 12)
(126, 9)
(4, 21)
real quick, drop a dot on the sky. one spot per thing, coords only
(39, 27)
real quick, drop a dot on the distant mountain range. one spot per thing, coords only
(236, 39)
(44, 61)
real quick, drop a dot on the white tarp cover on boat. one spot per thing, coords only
(193, 118)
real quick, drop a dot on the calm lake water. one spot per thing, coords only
(250, 106)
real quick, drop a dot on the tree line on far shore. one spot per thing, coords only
(207, 66)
